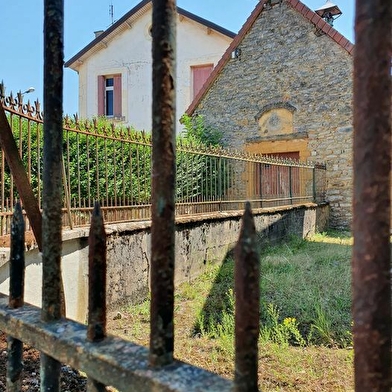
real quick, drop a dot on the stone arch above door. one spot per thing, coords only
(276, 119)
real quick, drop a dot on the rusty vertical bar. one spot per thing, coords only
(261, 179)
(219, 167)
(247, 305)
(163, 182)
(314, 184)
(96, 330)
(2, 190)
(89, 167)
(67, 195)
(371, 280)
(16, 297)
(291, 184)
(52, 299)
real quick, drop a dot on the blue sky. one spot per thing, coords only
(21, 43)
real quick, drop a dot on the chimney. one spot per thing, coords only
(98, 33)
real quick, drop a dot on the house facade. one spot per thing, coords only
(115, 68)
(284, 88)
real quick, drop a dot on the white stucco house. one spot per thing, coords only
(115, 68)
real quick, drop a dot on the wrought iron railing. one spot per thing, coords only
(113, 165)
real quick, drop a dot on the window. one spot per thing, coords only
(200, 74)
(109, 96)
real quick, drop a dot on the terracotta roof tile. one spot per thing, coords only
(327, 28)
(315, 18)
(341, 40)
(344, 42)
(300, 7)
(309, 14)
(320, 24)
(348, 45)
(333, 34)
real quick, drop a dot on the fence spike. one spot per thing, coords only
(20, 100)
(38, 113)
(87, 125)
(247, 305)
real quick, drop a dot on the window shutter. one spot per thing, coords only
(117, 110)
(200, 75)
(101, 95)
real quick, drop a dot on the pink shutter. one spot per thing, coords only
(117, 112)
(101, 95)
(200, 75)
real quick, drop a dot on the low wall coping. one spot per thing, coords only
(124, 227)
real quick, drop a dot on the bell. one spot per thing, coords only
(329, 12)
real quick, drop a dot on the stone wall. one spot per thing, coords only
(199, 240)
(284, 62)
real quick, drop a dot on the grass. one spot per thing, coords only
(309, 280)
(305, 338)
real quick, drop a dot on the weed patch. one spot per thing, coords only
(305, 333)
(309, 280)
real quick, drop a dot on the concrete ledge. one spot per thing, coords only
(129, 227)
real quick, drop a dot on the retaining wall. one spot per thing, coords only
(199, 240)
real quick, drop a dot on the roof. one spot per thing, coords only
(306, 12)
(126, 21)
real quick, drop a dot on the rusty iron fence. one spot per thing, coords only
(108, 360)
(113, 165)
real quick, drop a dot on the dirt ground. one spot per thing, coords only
(71, 380)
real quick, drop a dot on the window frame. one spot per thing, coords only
(195, 88)
(115, 111)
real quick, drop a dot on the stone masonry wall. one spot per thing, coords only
(199, 240)
(284, 60)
